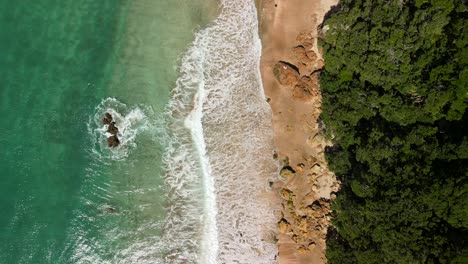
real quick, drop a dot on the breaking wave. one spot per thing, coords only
(129, 120)
(218, 160)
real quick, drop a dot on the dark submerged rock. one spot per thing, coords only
(112, 129)
(113, 141)
(107, 119)
(110, 210)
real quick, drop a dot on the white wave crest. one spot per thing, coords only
(219, 158)
(130, 122)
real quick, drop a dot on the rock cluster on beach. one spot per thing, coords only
(304, 218)
(305, 86)
(308, 186)
(286, 74)
(305, 211)
(291, 64)
(112, 141)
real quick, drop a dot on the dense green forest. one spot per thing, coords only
(394, 103)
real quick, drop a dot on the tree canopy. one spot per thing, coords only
(395, 95)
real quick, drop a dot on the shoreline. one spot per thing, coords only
(290, 66)
(219, 87)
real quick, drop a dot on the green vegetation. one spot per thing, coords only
(394, 102)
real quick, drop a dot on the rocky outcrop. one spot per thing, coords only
(290, 65)
(307, 39)
(307, 186)
(284, 226)
(286, 73)
(287, 172)
(303, 56)
(304, 224)
(307, 88)
(107, 119)
(112, 141)
(112, 129)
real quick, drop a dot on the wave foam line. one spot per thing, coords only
(239, 138)
(209, 243)
(219, 158)
(191, 235)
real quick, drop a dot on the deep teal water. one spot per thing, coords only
(59, 60)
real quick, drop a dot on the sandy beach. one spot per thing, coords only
(290, 68)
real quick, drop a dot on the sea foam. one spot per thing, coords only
(129, 120)
(219, 159)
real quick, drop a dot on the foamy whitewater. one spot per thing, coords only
(219, 158)
(130, 122)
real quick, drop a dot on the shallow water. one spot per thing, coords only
(181, 79)
(64, 198)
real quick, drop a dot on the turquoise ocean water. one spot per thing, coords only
(64, 197)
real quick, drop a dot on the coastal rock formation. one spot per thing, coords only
(310, 217)
(306, 57)
(307, 88)
(284, 226)
(112, 129)
(112, 141)
(287, 172)
(107, 119)
(286, 73)
(306, 38)
(319, 64)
